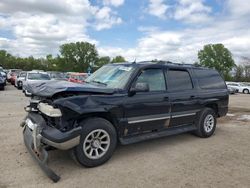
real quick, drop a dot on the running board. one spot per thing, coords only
(157, 134)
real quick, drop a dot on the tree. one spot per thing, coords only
(78, 56)
(239, 73)
(103, 61)
(118, 59)
(218, 57)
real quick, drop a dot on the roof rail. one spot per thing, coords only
(180, 64)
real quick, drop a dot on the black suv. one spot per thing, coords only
(122, 103)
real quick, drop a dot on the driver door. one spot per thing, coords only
(149, 110)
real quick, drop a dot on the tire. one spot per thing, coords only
(19, 85)
(206, 123)
(245, 91)
(104, 146)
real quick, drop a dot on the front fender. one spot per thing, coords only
(89, 103)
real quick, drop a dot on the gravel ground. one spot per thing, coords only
(222, 160)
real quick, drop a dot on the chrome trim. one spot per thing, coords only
(183, 115)
(150, 119)
(64, 145)
(157, 117)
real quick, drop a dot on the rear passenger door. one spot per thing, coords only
(182, 96)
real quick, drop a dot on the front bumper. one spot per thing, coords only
(40, 156)
(38, 136)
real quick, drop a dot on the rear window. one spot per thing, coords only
(178, 80)
(209, 79)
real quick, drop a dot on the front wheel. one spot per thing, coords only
(98, 142)
(206, 123)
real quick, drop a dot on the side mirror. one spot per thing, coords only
(139, 87)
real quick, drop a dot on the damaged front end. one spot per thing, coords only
(54, 115)
(39, 135)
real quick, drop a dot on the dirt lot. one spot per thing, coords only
(178, 161)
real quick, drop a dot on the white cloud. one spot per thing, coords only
(105, 18)
(157, 8)
(115, 3)
(192, 11)
(40, 27)
(183, 45)
(238, 7)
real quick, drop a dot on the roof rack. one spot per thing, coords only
(180, 64)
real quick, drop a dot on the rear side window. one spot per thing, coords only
(209, 79)
(178, 80)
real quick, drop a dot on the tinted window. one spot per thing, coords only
(22, 74)
(209, 79)
(232, 84)
(154, 78)
(38, 76)
(178, 80)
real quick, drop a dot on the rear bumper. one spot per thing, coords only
(38, 136)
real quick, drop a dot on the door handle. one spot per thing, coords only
(166, 98)
(192, 97)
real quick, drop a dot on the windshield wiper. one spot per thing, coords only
(99, 82)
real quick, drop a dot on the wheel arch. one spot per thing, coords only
(102, 114)
(213, 106)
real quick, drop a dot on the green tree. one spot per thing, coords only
(239, 73)
(118, 59)
(103, 61)
(78, 56)
(218, 57)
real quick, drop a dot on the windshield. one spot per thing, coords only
(22, 74)
(38, 76)
(57, 75)
(111, 76)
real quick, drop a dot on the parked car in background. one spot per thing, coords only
(77, 77)
(246, 83)
(242, 88)
(125, 103)
(57, 75)
(2, 82)
(14, 77)
(19, 80)
(232, 90)
(3, 75)
(11, 73)
(32, 79)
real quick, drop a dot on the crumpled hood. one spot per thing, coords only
(48, 89)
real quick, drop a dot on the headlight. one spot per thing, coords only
(49, 110)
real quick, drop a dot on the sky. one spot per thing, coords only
(172, 30)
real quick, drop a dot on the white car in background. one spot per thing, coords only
(242, 88)
(19, 80)
(32, 78)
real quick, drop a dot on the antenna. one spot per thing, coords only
(134, 61)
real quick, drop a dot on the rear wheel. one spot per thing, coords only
(206, 123)
(246, 91)
(98, 142)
